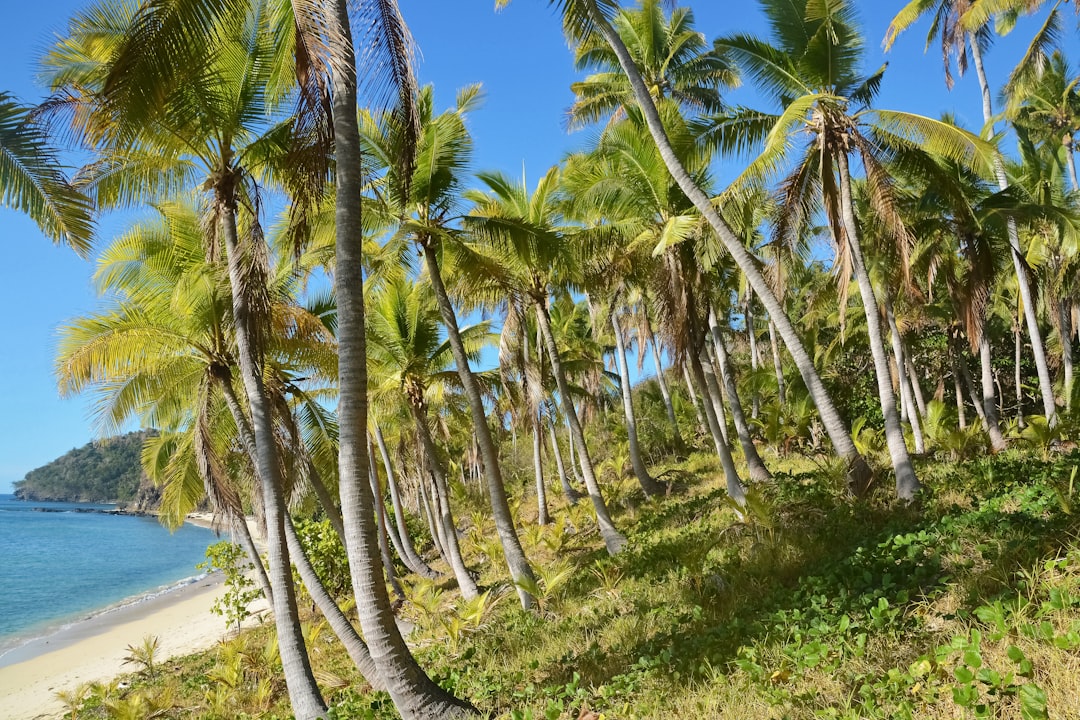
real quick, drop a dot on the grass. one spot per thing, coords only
(966, 605)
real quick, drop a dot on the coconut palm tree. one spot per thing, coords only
(966, 23)
(626, 182)
(426, 207)
(224, 121)
(525, 255)
(815, 65)
(410, 359)
(585, 18)
(674, 60)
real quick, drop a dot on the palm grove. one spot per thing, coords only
(942, 321)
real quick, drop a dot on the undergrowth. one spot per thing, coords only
(805, 605)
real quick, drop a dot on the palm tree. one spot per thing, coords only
(410, 360)
(426, 206)
(584, 18)
(966, 22)
(816, 69)
(32, 179)
(526, 253)
(674, 60)
(625, 182)
(219, 121)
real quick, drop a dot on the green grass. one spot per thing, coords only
(966, 605)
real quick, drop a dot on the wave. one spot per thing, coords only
(11, 647)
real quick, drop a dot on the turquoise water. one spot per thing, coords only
(61, 566)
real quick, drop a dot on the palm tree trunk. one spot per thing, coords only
(1046, 387)
(346, 633)
(702, 425)
(445, 519)
(343, 629)
(542, 517)
(955, 362)
(907, 484)
(303, 691)
(380, 513)
(778, 366)
(614, 540)
(238, 522)
(902, 376)
(572, 495)
(648, 484)
(518, 564)
(859, 472)
(414, 694)
(575, 461)
(758, 471)
(1065, 334)
(989, 401)
(240, 528)
(426, 507)
(1017, 377)
(326, 500)
(665, 393)
(731, 475)
(407, 552)
(755, 361)
(713, 392)
(916, 386)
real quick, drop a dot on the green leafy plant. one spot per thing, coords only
(240, 590)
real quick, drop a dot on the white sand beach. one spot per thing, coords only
(94, 649)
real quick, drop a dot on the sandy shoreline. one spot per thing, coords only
(94, 649)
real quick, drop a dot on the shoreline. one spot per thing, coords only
(92, 648)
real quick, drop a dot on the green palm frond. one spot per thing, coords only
(32, 180)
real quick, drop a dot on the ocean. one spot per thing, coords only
(61, 566)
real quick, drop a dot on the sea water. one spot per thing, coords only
(60, 564)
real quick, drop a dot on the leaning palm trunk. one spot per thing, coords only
(343, 629)
(239, 527)
(303, 691)
(341, 626)
(1023, 282)
(665, 393)
(445, 517)
(906, 394)
(713, 393)
(380, 517)
(407, 552)
(907, 484)
(958, 391)
(1065, 335)
(731, 475)
(778, 366)
(542, 517)
(755, 360)
(858, 471)
(426, 508)
(916, 386)
(237, 522)
(648, 484)
(694, 400)
(989, 397)
(613, 539)
(518, 564)
(412, 691)
(572, 495)
(754, 463)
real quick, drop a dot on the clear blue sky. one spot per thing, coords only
(522, 60)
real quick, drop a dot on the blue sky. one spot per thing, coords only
(523, 62)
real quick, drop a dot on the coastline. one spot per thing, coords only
(93, 649)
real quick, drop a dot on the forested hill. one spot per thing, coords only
(101, 471)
